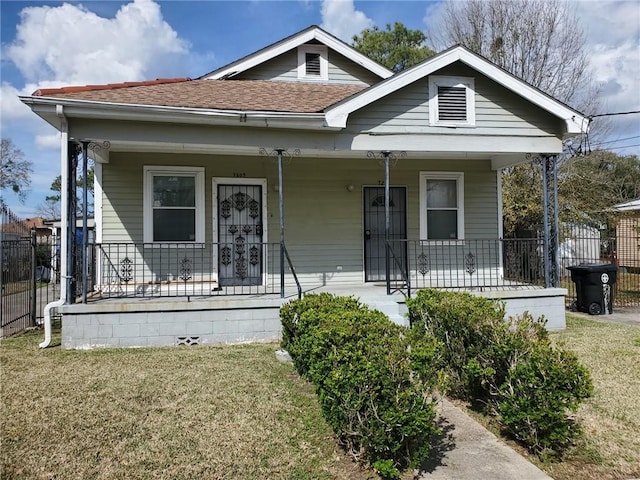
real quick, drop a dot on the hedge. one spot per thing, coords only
(510, 369)
(374, 379)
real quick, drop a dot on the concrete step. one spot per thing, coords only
(394, 308)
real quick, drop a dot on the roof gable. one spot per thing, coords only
(338, 114)
(311, 34)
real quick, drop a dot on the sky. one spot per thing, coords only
(49, 44)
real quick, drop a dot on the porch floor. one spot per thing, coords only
(364, 290)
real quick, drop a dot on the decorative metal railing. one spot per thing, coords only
(188, 269)
(468, 264)
(397, 265)
(210, 269)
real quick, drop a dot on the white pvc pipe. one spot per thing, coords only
(64, 218)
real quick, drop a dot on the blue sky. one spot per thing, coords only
(52, 44)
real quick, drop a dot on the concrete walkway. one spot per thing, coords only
(468, 451)
(626, 315)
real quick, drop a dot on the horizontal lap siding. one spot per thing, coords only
(499, 112)
(323, 220)
(285, 68)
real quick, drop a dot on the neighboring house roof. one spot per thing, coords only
(251, 95)
(575, 121)
(310, 34)
(628, 206)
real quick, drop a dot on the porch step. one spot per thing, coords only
(395, 309)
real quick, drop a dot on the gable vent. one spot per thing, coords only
(452, 103)
(312, 62)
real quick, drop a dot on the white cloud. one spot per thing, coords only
(51, 141)
(12, 108)
(340, 18)
(73, 45)
(70, 45)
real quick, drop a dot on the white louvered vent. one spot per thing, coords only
(312, 62)
(452, 104)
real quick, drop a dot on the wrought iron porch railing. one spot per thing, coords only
(467, 264)
(188, 269)
(398, 265)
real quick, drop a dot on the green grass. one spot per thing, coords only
(611, 447)
(162, 413)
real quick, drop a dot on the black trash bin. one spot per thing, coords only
(594, 287)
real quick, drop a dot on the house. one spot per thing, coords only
(628, 235)
(302, 167)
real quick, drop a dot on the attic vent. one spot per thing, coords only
(452, 104)
(452, 101)
(312, 62)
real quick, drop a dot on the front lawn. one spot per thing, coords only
(611, 449)
(166, 413)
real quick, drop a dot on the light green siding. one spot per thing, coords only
(323, 219)
(499, 111)
(285, 68)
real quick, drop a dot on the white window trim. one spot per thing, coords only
(468, 83)
(152, 170)
(302, 62)
(459, 178)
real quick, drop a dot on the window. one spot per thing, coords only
(451, 101)
(173, 204)
(312, 62)
(441, 206)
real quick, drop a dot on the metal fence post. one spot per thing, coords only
(34, 287)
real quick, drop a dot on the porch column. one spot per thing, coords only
(85, 233)
(549, 165)
(70, 189)
(281, 210)
(280, 153)
(387, 216)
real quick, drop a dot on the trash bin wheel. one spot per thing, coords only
(595, 309)
(573, 306)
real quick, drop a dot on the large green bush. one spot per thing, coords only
(510, 369)
(538, 396)
(374, 379)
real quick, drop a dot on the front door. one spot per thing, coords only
(374, 230)
(240, 231)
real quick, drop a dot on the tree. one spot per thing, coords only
(587, 189)
(51, 207)
(541, 42)
(396, 49)
(15, 170)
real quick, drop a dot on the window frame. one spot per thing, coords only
(468, 83)
(302, 62)
(459, 178)
(198, 173)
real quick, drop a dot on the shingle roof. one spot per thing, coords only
(253, 95)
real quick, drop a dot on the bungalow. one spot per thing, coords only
(302, 167)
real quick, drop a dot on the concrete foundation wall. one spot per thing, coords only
(548, 302)
(95, 326)
(221, 321)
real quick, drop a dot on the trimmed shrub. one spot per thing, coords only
(509, 369)
(467, 326)
(536, 396)
(374, 379)
(291, 313)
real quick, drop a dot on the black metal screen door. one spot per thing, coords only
(374, 226)
(240, 248)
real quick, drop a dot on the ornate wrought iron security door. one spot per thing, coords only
(374, 226)
(240, 249)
